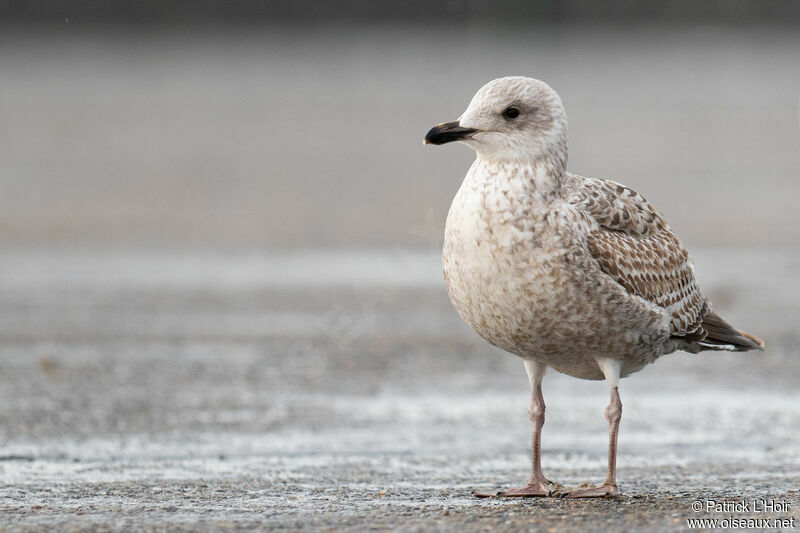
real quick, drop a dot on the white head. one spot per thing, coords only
(512, 118)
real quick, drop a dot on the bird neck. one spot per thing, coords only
(539, 178)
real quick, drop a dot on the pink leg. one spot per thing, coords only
(538, 485)
(613, 415)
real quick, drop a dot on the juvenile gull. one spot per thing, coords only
(579, 274)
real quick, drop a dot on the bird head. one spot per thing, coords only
(511, 118)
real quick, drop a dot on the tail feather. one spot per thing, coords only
(722, 336)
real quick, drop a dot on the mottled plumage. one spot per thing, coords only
(636, 247)
(580, 274)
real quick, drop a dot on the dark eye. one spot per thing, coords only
(511, 112)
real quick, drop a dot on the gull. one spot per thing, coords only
(577, 274)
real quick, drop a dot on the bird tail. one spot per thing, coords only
(722, 336)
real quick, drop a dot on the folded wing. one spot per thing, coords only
(634, 245)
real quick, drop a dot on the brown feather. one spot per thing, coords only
(636, 247)
(633, 244)
(722, 333)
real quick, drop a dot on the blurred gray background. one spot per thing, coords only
(220, 290)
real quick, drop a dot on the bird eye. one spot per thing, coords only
(511, 112)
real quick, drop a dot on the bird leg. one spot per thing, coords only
(538, 485)
(609, 487)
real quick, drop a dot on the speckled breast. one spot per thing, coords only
(508, 278)
(501, 280)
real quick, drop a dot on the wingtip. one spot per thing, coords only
(760, 345)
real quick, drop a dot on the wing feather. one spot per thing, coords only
(633, 243)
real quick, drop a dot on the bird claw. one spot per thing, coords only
(606, 490)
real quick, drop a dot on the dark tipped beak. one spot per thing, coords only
(448, 132)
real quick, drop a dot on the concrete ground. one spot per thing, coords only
(230, 392)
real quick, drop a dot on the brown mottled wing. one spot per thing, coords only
(636, 247)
